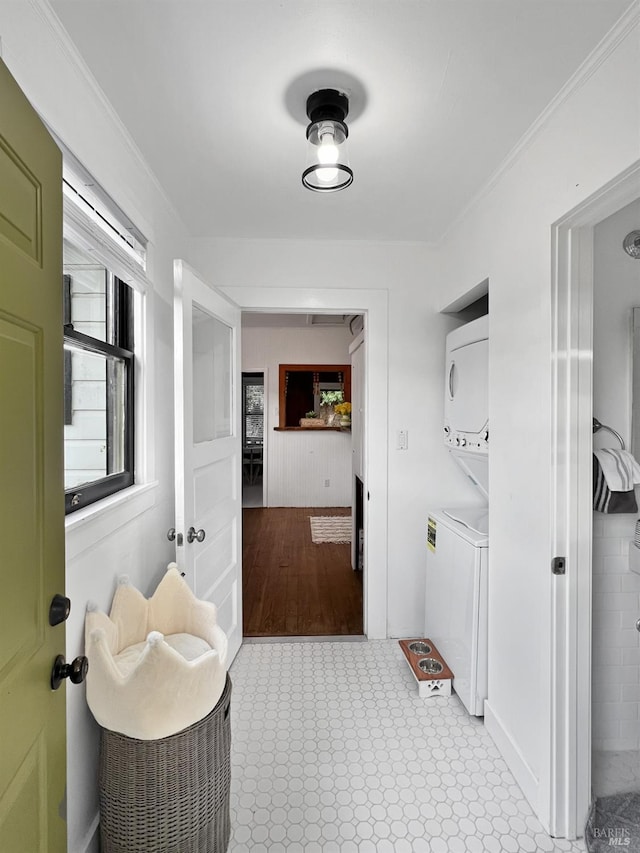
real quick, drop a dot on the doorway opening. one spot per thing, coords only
(575, 528)
(615, 610)
(296, 468)
(252, 439)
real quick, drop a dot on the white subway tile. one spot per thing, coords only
(616, 744)
(631, 692)
(629, 619)
(602, 693)
(616, 563)
(603, 676)
(630, 582)
(630, 729)
(608, 583)
(606, 620)
(614, 711)
(615, 638)
(605, 726)
(620, 525)
(630, 657)
(628, 711)
(621, 601)
(628, 674)
(607, 656)
(606, 547)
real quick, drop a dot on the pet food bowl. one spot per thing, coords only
(419, 648)
(430, 665)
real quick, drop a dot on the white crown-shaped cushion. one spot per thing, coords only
(156, 665)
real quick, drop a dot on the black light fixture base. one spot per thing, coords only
(327, 104)
(327, 163)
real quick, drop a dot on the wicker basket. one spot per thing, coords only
(169, 795)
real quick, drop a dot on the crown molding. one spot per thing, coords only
(64, 42)
(608, 45)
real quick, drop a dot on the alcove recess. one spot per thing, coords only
(300, 386)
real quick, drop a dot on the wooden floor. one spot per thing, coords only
(292, 587)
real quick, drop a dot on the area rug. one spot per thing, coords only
(330, 528)
(614, 821)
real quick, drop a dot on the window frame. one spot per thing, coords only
(95, 224)
(120, 314)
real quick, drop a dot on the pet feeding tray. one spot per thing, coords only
(428, 667)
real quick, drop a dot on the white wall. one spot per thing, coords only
(589, 137)
(422, 477)
(616, 590)
(299, 463)
(129, 538)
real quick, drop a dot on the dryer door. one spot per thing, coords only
(466, 399)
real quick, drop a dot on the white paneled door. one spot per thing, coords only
(208, 428)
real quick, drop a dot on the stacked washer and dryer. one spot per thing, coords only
(458, 538)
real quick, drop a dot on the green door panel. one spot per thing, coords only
(32, 746)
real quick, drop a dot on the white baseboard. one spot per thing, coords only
(91, 841)
(523, 774)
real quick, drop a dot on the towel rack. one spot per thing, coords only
(598, 426)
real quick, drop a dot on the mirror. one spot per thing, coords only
(635, 386)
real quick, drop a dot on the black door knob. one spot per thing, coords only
(76, 671)
(59, 609)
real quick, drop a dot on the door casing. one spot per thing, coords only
(373, 304)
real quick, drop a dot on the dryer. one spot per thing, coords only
(466, 400)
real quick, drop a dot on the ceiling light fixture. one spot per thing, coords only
(328, 167)
(631, 244)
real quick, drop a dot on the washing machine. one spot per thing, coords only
(458, 539)
(456, 598)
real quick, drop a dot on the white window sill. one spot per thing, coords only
(86, 527)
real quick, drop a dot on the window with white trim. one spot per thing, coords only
(99, 349)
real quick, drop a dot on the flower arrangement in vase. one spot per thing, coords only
(344, 410)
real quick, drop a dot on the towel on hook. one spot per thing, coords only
(614, 474)
(620, 469)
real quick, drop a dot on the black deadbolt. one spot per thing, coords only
(59, 609)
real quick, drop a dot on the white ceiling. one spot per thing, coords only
(213, 92)
(263, 319)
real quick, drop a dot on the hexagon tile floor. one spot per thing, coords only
(332, 750)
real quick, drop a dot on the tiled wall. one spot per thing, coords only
(616, 642)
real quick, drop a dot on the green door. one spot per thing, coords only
(32, 715)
